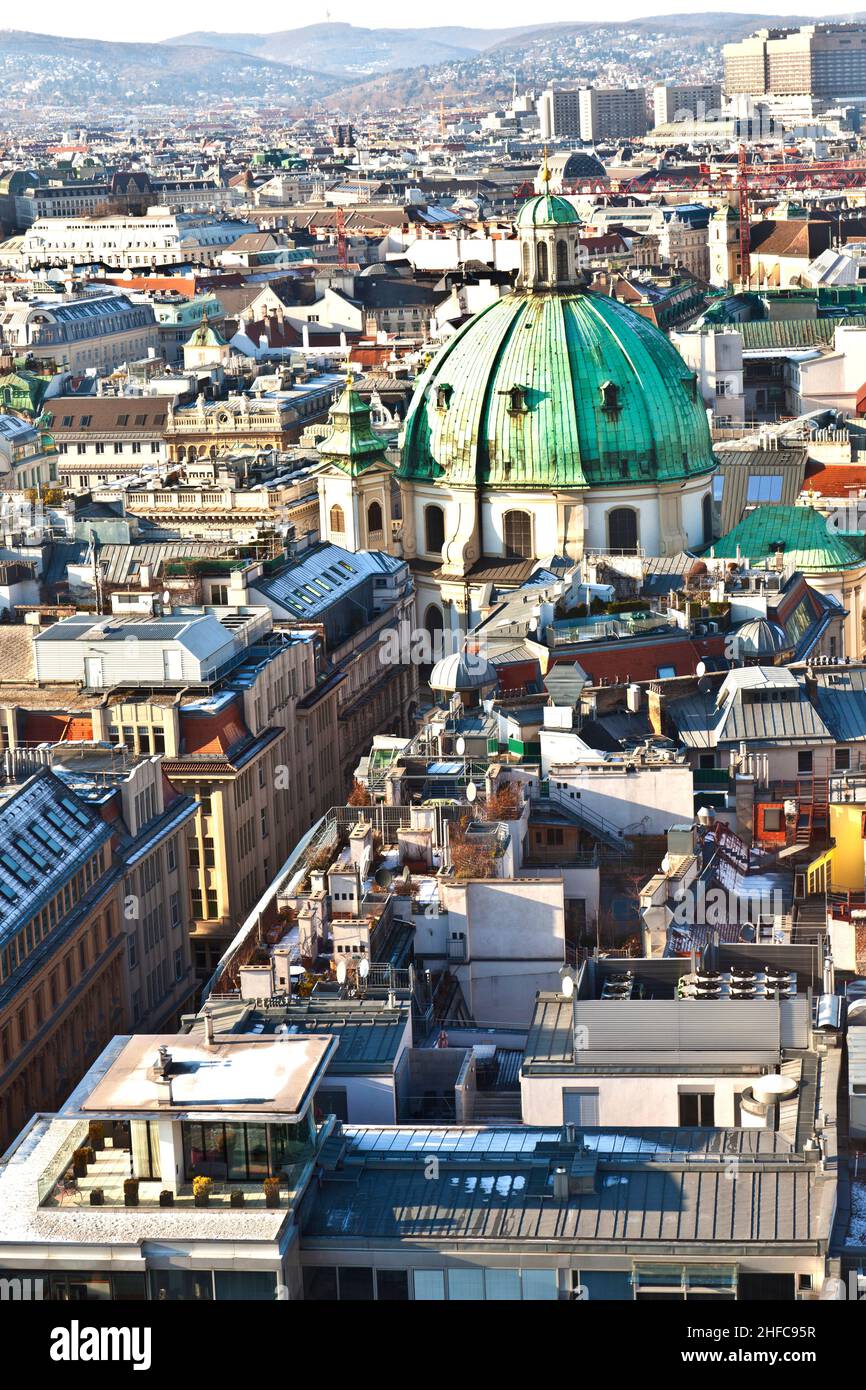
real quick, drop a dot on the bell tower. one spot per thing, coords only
(355, 508)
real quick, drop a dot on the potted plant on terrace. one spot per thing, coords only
(201, 1189)
(97, 1197)
(271, 1187)
(79, 1163)
(166, 1198)
(130, 1192)
(237, 1197)
(96, 1135)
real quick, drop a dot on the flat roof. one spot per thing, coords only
(239, 1074)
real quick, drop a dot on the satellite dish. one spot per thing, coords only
(341, 972)
(471, 791)
(567, 986)
(460, 745)
(383, 878)
(364, 968)
(166, 596)
(705, 685)
(666, 864)
(701, 668)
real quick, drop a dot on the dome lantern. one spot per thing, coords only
(548, 229)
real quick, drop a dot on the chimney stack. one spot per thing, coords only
(208, 1028)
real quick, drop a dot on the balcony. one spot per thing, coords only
(113, 1165)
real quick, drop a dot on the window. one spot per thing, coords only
(434, 530)
(392, 1285)
(767, 488)
(842, 759)
(429, 1285)
(622, 530)
(561, 261)
(356, 1285)
(697, 1109)
(541, 261)
(517, 533)
(718, 487)
(804, 761)
(337, 519)
(374, 517)
(320, 1284)
(580, 1107)
(773, 818)
(666, 673)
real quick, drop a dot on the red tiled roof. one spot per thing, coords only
(835, 479)
(616, 663)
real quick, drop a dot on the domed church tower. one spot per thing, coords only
(354, 478)
(555, 421)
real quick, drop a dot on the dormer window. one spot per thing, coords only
(609, 398)
(443, 396)
(516, 400)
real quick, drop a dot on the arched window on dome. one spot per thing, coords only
(337, 520)
(541, 260)
(517, 534)
(622, 530)
(374, 518)
(434, 530)
(561, 262)
(527, 263)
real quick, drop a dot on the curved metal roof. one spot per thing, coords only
(551, 389)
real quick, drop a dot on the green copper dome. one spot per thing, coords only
(556, 389)
(546, 211)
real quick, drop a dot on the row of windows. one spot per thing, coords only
(337, 518)
(26, 940)
(352, 1283)
(32, 1011)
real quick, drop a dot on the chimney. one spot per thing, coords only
(560, 1184)
(208, 1028)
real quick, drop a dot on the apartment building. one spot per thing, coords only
(62, 949)
(106, 439)
(157, 239)
(80, 332)
(270, 419)
(27, 458)
(699, 101)
(245, 719)
(612, 113)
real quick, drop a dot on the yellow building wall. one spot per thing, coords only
(847, 864)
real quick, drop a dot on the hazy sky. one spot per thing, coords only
(161, 19)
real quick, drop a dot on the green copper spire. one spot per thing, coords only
(351, 443)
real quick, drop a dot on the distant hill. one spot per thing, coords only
(79, 73)
(347, 50)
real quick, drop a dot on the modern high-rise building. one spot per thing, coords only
(612, 113)
(825, 63)
(677, 103)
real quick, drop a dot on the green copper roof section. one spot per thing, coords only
(809, 543)
(351, 443)
(556, 390)
(546, 211)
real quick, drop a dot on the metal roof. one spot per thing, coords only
(561, 350)
(809, 544)
(649, 1186)
(309, 585)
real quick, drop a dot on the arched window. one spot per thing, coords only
(434, 530)
(517, 532)
(541, 260)
(434, 625)
(337, 519)
(191, 452)
(374, 517)
(622, 530)
(707, 509)
(526, 263)
(561, 262)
